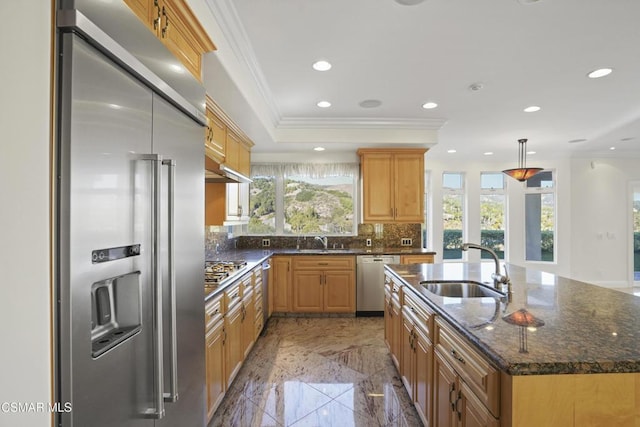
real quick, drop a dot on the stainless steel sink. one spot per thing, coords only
(461, 289)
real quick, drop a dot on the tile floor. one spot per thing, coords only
(333, 372)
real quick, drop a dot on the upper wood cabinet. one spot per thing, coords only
(173, 22)
(215, 135)
(224, 142)
(393, 184)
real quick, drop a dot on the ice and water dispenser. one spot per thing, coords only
(115, 303)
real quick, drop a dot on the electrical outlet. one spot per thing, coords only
(368, 242)
(266, 243)
(406, 241)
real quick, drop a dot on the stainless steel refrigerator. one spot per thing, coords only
(129, 242)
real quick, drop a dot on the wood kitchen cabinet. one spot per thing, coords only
(282, 279)
(226, 203)
(234, 351)
(392, 319)
(466, 386)
(393, 185)
(248, 316)
(215, 134)
(416, 259)
(324, 284)
(416, 367)
(173, 23)
(214, 354)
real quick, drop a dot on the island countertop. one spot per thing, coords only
(587, 329)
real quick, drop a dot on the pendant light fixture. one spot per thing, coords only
(522, 172)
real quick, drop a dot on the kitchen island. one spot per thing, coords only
(581, 364)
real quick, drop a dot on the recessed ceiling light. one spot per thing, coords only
(451, 151)
(115, 106)
(429, 105)
(370, 103)
(488, 153)
(574, 141)
(599, 73)
(531, 152)
(612, 148)
(409, 2)
(475, 87)
(321, 65)
(532, 109)
(319, 148)
(528, 1)
(324, 104)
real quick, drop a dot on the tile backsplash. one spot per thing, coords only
(381, 235)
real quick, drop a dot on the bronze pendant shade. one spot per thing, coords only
(522, 172)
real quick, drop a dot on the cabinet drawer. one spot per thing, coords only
(422, 313)
(323, 262)
(482, 378)
(416, 259)
(232, 295)
(213, 311)
(392, 286)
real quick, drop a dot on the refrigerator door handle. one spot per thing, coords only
(172, 395)
(157, 411)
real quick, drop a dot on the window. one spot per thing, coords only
(427, 212)
(492, 212)
(540, 217)
(262, 204)
(302, 199)
(452, 214)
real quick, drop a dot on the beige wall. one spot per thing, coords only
(25, 369)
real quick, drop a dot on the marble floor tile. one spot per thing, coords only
(318, 372)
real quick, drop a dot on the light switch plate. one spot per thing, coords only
(405, 241)
(266, 243)
(368, 242)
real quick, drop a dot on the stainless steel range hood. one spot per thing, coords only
(221, 173)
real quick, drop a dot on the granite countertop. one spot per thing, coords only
(587, 329)
(255, 257)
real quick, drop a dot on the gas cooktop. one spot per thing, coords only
(217, 271)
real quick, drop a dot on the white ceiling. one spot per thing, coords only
(522, 54)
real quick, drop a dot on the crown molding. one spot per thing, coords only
(227, 18)
(359, 123)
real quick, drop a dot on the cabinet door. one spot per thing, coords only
(445, 393)
(248, 319)
(281, 295)
(232, 150)
(215, 367)
(378, 199)
(307, 291)
(396, 342)
(176, 36)
(339, 292)
(472, 412)
(234, 353)
(215, 134)
(214, 203)
(244, 160)
(148, 11)
(388, 318)
(416, 259)
(407, 356)
(423, 375)
(409, 187)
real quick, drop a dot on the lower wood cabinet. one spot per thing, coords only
(234, 353)
(280, 282)
(214, 355)
(324, 284)
(233, 322)
(393, 319)
(416, 259)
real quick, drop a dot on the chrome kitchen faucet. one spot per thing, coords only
(498, 278)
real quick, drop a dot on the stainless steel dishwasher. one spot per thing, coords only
(370, 283)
